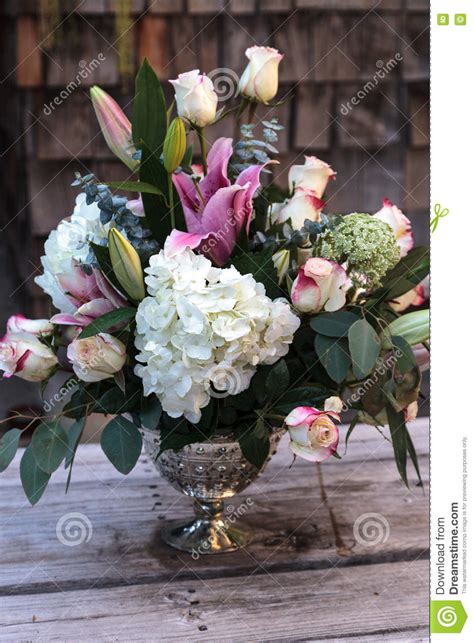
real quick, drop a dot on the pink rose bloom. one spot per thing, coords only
(314, 175)
(399, 223)
(320, 285)
(23, 355)
(21, 324)
(304, 204)
(314, 436)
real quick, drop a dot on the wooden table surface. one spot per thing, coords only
(312, 572)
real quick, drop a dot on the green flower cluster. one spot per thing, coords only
(367, 244)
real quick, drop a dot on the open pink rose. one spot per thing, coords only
(215, 211)
(320, 285)
(92, 295)
(23, 355)
(314, 436)
(399, 223)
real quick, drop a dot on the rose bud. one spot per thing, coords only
(313, 175)
(115, 126)
(23, 355)
(174, 146)
(126, 264)
(333, 403)
(320, 285)
(259, 82)
(313, 434)
(400, 225)
(21, 324)
(303, 205)
(96, 358)
(196, 100)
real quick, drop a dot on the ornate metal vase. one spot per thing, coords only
(209, 472)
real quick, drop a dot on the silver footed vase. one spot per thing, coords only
(209, 472)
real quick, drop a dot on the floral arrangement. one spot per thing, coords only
(214, 300)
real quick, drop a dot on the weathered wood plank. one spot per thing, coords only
(29, 58)
(368, 601)
(295, 528)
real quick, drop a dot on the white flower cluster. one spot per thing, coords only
(70, 240)
(202, 324)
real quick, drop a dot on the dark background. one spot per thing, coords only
(332, 48)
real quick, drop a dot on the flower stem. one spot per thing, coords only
(202, 142)
(171, 200)
(252, 109)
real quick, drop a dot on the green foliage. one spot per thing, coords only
(121, 442)
(49, 445)
(407, 274)
(260, 265)
(254, 441)
(334, 355)
(151, 412)
(335, 324)
(109, 320)
(302, 396)
(399, 433)
(364, 346)
(33, 479)
(278, 380)
(149, 121)
(8, 447)
(136, 186)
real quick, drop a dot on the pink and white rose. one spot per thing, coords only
(313, 434)
(414, 297)
(23, 355)
(37, 327)
(314, 175)
(259, 81)
(320, 285)
(97, 358)
(196, 100)
(399, 223)
(304, 204)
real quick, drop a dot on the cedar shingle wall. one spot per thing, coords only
(332, 49)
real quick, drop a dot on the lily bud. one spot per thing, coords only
(174, 146)
(281, 261)
(126, 265)
(115, 126)
(413, 327)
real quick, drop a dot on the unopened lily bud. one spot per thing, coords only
(174, 146)
(281, 261)
(126, 265)
(414, 328)
(115, 126)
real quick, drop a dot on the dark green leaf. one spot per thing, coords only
(278, 380)
(33, 479)
(121, 442)
(260, 265)
(364, 346)
(49, 445)
(259, 384)
(151, 412)
(352, 426)
(254, 442)
(208, 418)
(8, 447)
(73, 436)
(406, 359)
(113, 402)
(188, 157)
(149, 123)
(304, 396)
(109, 320)
(334, 356)
(136, 186)
(399, 433)
(334, 324)
(414, 457)
(103, 259)
(244, 401)
(407, 274)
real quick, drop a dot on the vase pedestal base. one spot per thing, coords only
(209, 533)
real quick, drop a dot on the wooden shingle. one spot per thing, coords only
(313, 120)
(154, 44)
(29, 57)
(419, 113)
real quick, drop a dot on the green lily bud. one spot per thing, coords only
(126, 265)
(413, 327)
(174, 146)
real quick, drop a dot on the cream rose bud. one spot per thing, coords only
(302, 205)
(333, 403)
(320, 285)
(96, 358)
(21, 324)
(23, 355)
(196, 100)
(260, 78)
(313, 175)
(313, 434)
(400, 225)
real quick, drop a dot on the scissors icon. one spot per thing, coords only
(439, 214)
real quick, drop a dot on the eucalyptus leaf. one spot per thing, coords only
(151, 412)
(49, 445)
(335, 324)
(109, 320)
(334, 356)
(33, 479)
(121, 442)
(8, 447)
(254, 442)
(73, 436)
(278, 380)
(364, 346)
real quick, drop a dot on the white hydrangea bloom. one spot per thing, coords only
(203, 326)
(70, 240)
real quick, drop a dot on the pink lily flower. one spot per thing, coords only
(92, 295)
(215, 211)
